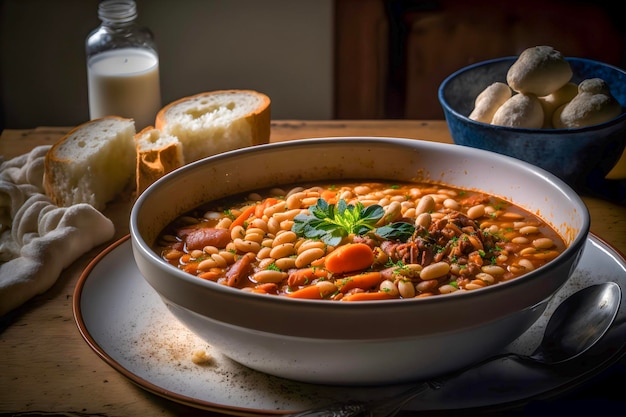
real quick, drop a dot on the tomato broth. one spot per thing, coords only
(359, 241)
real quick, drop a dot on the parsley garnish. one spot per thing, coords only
(273, 267)
(331, 223)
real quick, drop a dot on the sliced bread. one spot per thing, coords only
(217, 121)
(92, 164)
(157, 154)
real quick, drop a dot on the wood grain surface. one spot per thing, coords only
(47, 369)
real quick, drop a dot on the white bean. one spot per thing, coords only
(295, 200)
(447, 289)
(473, 286)
(285, 263)
(224, 223)
(435, 270)
(228, 256)
(212, 215)
(543, 243)
(255, 197)
(476, 211)
(451, 204)
(276, 208)
(406, 289)
(255, 235)
(308, 256)
(269, 275)
(207, 264)
(511, 216)
(326, 288)
(246, 245)
(389, 287)
(483, 276)
(492, 269)
(286, 224)
(424, 220)
(283, 237)
(210, 250)
(292, 191)
(283, 250)
(425, 205)
(346, 195)
(258, 224)
(220, 261)
(264, 252)
(362, 190)
(286, 215)
(237, 232)
(277, 192)
(523, 265)
(273, 226)
(310, 244)
(266, 262)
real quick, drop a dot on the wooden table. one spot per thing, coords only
(48, 368)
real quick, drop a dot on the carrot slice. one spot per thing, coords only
(330, 196)
(365, 281)
(349, 258)
(245, 215)
(314, 292)
(191, 267)
(260, 208)
(305, 275)
(311, 292)
(266, 288)
(368, 296)
(209, 275)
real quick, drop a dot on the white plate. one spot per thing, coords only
(124, 321)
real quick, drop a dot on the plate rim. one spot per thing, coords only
(202, 404)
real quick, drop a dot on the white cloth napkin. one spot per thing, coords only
(37, 238)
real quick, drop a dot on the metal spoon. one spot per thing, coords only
(576, 325)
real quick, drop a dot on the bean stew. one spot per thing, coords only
(358, 241)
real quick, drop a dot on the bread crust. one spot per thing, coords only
(153, 162)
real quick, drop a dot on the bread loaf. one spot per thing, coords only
(157, 154)
(92, 164)
(217, 121)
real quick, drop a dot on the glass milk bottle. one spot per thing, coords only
(122, 66)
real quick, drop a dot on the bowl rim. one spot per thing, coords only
(575, 245)
(549, 132)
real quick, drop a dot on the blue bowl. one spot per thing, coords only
(581, 157)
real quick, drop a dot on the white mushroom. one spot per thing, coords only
(490, 100)
(521, 110)
(540, 70)
(553, 101)
(593, 104)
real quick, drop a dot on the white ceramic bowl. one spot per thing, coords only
(377, 342)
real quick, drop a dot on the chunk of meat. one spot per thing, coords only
(240, 269)
(207, 236)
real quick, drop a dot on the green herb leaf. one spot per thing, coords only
(396, 231)
(331, 223)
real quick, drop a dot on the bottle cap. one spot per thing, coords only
(120, 11)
